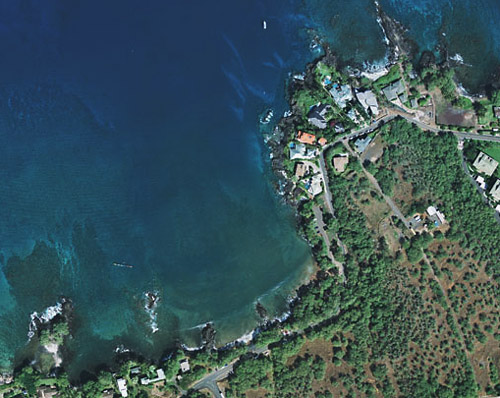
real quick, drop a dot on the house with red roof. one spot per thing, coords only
(306, 138)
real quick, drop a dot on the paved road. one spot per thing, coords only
(374, 126)
(210, 381)
(458, 134)
(476, 136)
(374, 182)
(350, 136)
(326, 184)
(321, 225)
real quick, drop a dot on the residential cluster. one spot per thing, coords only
(346, 107)
(157, 380)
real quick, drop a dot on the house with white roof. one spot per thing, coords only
(341, 94)
(122, 387)
(301, 151)
(313, 185)
(480, 181)
(185, 366)
(368, 100)
(485, 164)
(160, 376)
(436, 216)
(495, 191)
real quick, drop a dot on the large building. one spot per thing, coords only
(300, 151)
(306, 138)
(317, 115)
(484, 164)
(368, 100)
(495, 191)
(395, 91)
(341, 94)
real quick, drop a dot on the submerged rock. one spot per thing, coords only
(261, 311)
(208, 336)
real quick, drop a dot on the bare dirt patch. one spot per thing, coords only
(449, 115)
(374, 151)
(259, 393)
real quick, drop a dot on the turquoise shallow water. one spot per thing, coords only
(129, 133)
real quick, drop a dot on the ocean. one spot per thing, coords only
(465, 27)
(129, 133)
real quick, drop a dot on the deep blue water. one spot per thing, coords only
(128, 132)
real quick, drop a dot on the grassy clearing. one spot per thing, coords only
(393, 75)
(492, 150)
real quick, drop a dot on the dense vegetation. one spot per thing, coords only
(405, 322)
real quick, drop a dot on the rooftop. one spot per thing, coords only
(354, 115)
(339, 128)
(341, 94)
(368, 100)
(314, 186)
(484, 164)
(317, 114)
(185, 366)
(160, 376)
(122, 387)
(436, 216)
(496, 110)
(394, 90)
(362, 143)
(481, 182)
(322, 141)
(46, 392)
(340, 162)
(495, 191)
(301, 170)
(306, 138)
(300, 151)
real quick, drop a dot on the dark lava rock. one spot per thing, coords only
(261, 311)
(208, 336)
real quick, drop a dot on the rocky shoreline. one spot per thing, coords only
(276, 141)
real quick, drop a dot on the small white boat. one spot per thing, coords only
(266, 118)
(264, 25)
